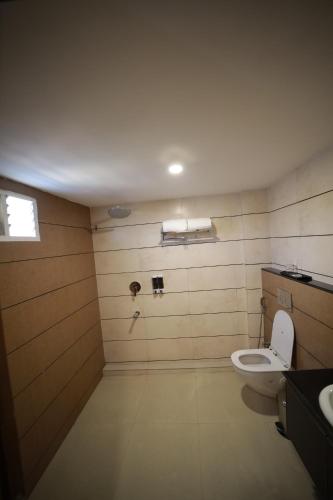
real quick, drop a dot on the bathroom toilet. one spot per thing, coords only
(262, 369)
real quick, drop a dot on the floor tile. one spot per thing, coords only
(222, 396)
(116, 399)
(87, 466)
(162, 463)
(177, 434)
(242, 460)
(169, 398)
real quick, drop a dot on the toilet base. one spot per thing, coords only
(267, 383)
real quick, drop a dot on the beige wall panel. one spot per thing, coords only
(209, 278)
(215, 254)
(37, 441)
(170, 349)
(314, 302)
(284, 192)
(51, 209)
(121, 307)
(229, 228)
(33, 358)
(168, 327)
(27, 279)
(217, 301)
(122, 351)
(253, 301)
(55, 241)
(255, 344)
(141, 213)
(316, 177)
(316, 254)
(316, 215)
(254, 321)
(285, 251)
(253, 276)
(268, 325)
(165, 258)
(118, 284)
(29, 319)
(31, 403)
(256, 226)
(218, 347)
(212, 206)
(123, 329)
(124, 237)
(285, 222)
(218, 324)
(254, 201)
(117, 262)
(166, 304)
(257, 251)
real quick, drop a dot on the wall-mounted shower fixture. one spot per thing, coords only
(119, 212)
(115, 212)
(135, 287)
(136, 314)
(157, 284)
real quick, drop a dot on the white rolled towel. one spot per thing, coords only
(203, 224)
(174, 226)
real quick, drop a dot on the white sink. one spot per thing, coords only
(326, 402)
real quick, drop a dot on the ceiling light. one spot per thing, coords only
(175, 168)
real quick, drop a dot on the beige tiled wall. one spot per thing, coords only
(301, 219)
(211, 304)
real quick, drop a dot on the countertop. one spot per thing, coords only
(314, 283)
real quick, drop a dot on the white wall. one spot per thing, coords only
(301, 219)
(211, 304)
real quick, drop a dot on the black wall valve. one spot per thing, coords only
(135, 287)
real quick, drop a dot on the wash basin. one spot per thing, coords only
(326, 402)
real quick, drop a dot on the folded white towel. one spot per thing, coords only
(186, 225)
(203, 224)
(174, 226)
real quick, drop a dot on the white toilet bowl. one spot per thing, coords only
(262, 369)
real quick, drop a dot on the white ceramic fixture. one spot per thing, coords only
(326, 402)
(262, 369)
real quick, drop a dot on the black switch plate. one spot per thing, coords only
(155, 282)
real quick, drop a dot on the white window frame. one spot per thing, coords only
(4, 218)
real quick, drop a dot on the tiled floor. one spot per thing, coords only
(184, 435)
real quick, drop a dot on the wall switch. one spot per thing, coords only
(284, 298)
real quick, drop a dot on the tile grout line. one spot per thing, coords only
(263, 212)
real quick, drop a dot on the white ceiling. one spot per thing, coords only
(99, 96)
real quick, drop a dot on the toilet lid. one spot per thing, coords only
(283, 336)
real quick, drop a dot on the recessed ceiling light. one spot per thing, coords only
(175, 168)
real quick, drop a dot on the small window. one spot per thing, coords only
(18, 217)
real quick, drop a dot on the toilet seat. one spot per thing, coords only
(261, 368)
(273, 363)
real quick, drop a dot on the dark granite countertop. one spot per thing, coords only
(308, 384)
(314, 283)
